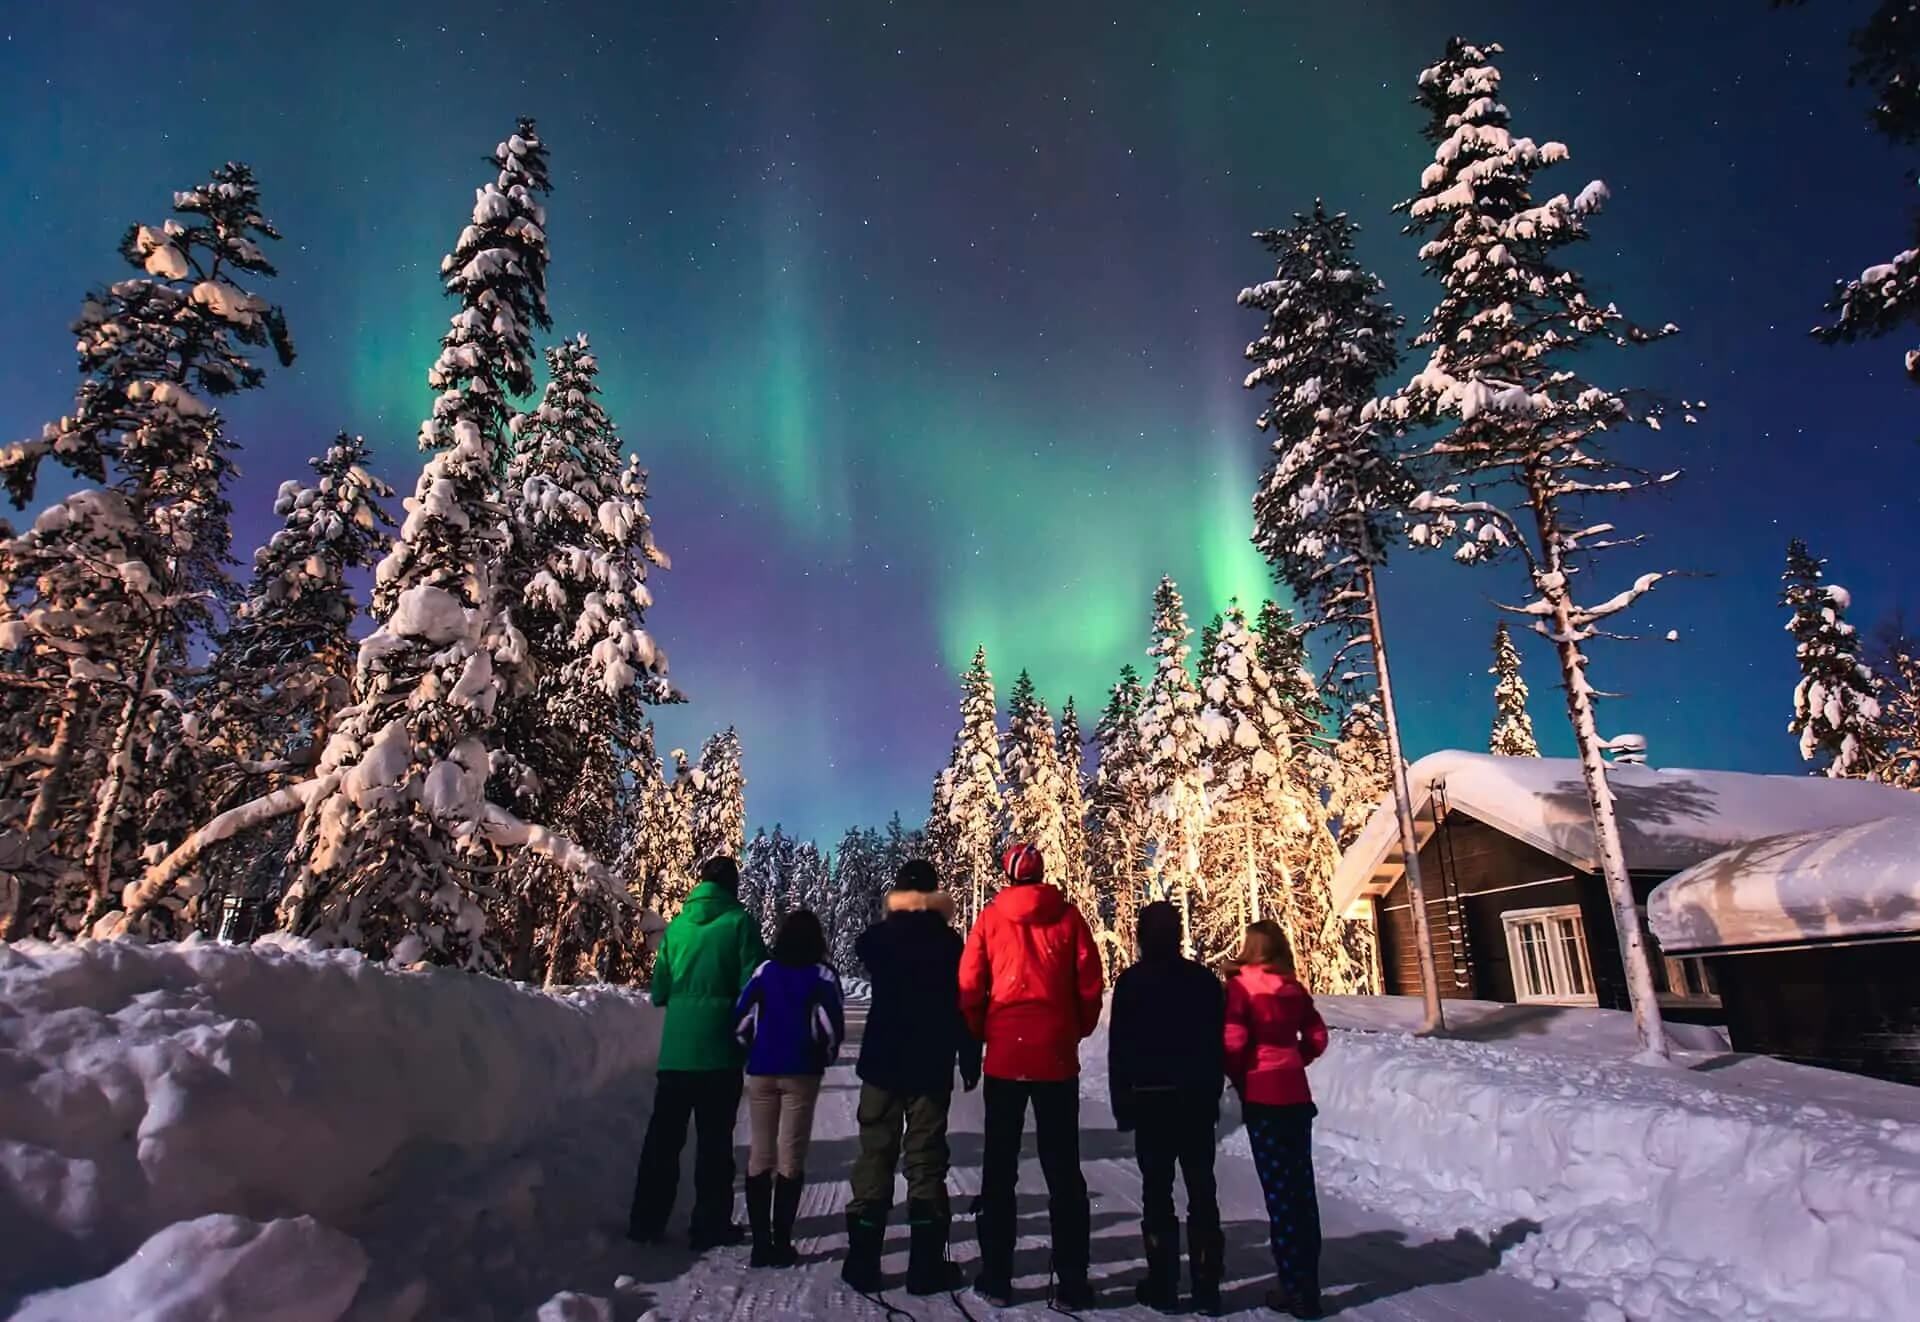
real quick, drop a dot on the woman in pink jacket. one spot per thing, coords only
(1273, 1033)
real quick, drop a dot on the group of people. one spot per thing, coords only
(1006, 1009)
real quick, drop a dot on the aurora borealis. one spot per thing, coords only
(922, 316)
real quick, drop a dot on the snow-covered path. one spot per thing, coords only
(1374, 1267)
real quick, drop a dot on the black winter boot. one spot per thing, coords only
(760, 1218)
(1303, 1303)
(786, 1206)
(1207, 1265)
(866, 1233)
(928, 1271)
(994, 1227)
(1070, 1222)
(1160, 1290)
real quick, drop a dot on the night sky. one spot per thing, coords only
(922, 316)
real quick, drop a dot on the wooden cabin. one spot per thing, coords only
(1516, 905)
(1813, 939)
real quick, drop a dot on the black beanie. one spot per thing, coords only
(721, 871)
(916, 874)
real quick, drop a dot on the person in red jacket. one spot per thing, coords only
(1272, 1034)
(1030, 989)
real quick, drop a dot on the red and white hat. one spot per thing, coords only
(1022, 864)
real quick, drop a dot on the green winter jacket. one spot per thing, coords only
(705, 959)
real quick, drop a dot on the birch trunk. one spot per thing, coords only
(1434, 1020)
(1606, 826)
(106, 811)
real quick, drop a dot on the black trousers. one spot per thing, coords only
(1173, 1131)
(711, 1099)
(1056, 1123)
(1282, 1142)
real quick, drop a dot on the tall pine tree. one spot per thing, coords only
(1171, 769)
(719, 804)
(1528, 443)
(154, 349)
(1512, 727)
(968, 801)
(1836, 705)
(1071, 872)
(1035, 792)
(1327, 507)
(1117, 824)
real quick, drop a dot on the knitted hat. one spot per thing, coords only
(1022, 864)
(916, 874)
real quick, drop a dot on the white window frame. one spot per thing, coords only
(1557, 966)
(1674, 974)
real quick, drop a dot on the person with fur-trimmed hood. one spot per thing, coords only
(914, 1038)
(1030, 985)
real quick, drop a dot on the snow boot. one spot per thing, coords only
(760, 1218)
(1207, 1265)
(994, 1227)
(1069, 1220)
(786, 1206)
(866, 1234)
(1160, 1290)
(1303, 1304)
(928, 1271)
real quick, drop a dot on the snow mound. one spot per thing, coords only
(143, 1086)
(1795, 888)
(1649, 1187)
(215, 1268)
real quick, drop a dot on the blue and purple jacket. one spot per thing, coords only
(790, 1018)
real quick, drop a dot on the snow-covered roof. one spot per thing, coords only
(1850, 881)
(1669, 818)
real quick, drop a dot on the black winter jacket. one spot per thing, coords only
(914, 1034)
(1164, 1035)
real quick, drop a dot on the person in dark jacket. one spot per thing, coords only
(1030, 987)
(710, 949)
(791, 1020)
(914, 1037)
(1166, 1071)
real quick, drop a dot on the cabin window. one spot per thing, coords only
(1548, 950)
(1681, 980)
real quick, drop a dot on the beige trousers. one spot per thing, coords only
(780, 1122)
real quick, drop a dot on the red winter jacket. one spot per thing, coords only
(1273, 1034)
(1030, 984)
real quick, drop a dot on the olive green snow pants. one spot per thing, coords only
(882, 1114)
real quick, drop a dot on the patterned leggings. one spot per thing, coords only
(1282, 1141)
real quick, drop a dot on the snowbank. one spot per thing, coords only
(1672, 1197)
(1794, 888)
(146, 1086)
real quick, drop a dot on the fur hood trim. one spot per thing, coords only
(911, 901)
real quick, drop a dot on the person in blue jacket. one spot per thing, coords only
(791, 1020)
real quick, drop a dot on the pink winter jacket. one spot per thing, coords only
(1273, 1033)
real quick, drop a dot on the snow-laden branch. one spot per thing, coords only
(140, 895)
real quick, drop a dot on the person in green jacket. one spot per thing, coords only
(709, 952)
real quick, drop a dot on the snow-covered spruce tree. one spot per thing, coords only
(1836, 707)
(1282, 652)
(897, 845)
(938, 833)
(1512, 727)
(1117, 825)
(1900, 718)
(1071, 871)
(972, 802)
(1328, 505)
(154, 349)
(1362, 768)
(398, 834)
(1172, 769)
(811, 885)
(1034, 788)
(859, 877)
(284, 665)
(673, 828)
(282, 669)
(720, 803)
(1524, 449)
(756, 863)
(580, 548)
(1269, 832)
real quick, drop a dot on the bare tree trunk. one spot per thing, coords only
(1253, 873)
(60, 761)
(1606, 830)
(1434, 1019)
(106, 809)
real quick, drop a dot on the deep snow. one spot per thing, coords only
(278, 1125)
